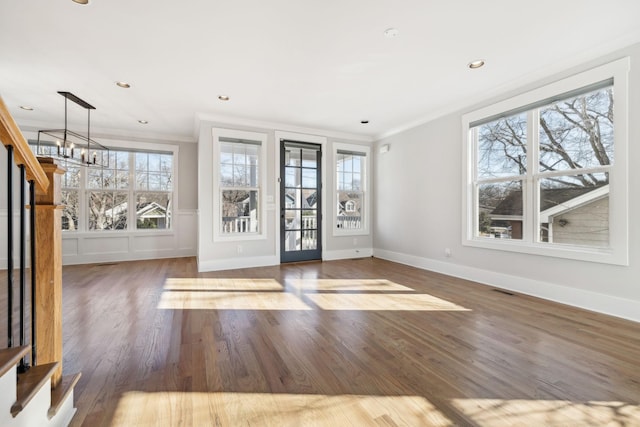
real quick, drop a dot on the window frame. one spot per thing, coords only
(261, 234)
(364, 190)
(617, 252)
(84, 191)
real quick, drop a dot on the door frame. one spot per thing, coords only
(312, 139)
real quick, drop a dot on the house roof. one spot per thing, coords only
(309, 65)
(549, 198)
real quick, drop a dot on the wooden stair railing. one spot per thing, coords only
(45, 174)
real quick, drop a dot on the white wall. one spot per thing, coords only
(217, 255)
(421, 176)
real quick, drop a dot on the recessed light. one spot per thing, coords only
(143, 122)
(123, 85)
(391, 32)
(223, 97)
(476, 64)
(26, 107)
(81, 1)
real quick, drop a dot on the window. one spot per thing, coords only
(547, 171)
(351, 163)
(107, 193)
(153, 190)
(98, 198)
(240, 178)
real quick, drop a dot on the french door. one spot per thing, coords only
(300, 201)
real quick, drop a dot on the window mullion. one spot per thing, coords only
(531, 202)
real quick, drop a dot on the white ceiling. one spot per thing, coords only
(315, 64)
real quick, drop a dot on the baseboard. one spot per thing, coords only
(594, 301)
(235, 263)
(125, 256)
(347, 254)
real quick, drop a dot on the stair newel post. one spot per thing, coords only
(48, 305)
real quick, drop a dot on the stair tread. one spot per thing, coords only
(10, 357)
(59, 394)
(30, 383)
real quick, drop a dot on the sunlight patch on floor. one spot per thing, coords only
(266, 409)
(214, 284)
(507, 413)
(337, 285)
(383, 302)
(189, 300)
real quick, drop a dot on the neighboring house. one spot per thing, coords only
(148, 215)
(578, 215)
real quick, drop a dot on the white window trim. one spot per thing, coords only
(218, 235)
(618, 251)
(366, 185)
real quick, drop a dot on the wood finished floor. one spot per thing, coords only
(342, 343)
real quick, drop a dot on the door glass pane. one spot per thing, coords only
(309, 239)
(292, 198)
(309, 199)
(292, 240)
(309, 219)
(292, 219)
(309, 158)
(292, 177)
(292, 157)
(309, 178)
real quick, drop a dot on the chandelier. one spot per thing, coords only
(72, 146)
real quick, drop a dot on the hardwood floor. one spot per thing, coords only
(356, 342)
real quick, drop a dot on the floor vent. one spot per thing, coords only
(502, 291)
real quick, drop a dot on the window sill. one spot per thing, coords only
(579, 253)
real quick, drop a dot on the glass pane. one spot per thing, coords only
(122, 180)
(309, 178)
(107, 210)
(292, 157)
(142, 162)
(292, 219)
(309, 158)
(142, 182)
(240, 176)
(355, 181)
(226, 153)
(291, 177)
(577, 132)
(502, 147)
(500, 210)
(71, 178)
(349, 210)
(292, 198)
(309, 219)
(154, 162)
(226, 175)
(341, 181)
(71, 209)
(574, 209)
(165, 182)
(309, 199)
(240, 211)
(292, 240)
(309, 239)
(153, 210)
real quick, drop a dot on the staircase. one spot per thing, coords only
(29, 401)
(36, 395)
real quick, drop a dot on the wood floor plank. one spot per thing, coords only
(363, 342)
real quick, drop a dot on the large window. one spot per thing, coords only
(351, 166)
(98, 199)
(239, 157)
(547, 171)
